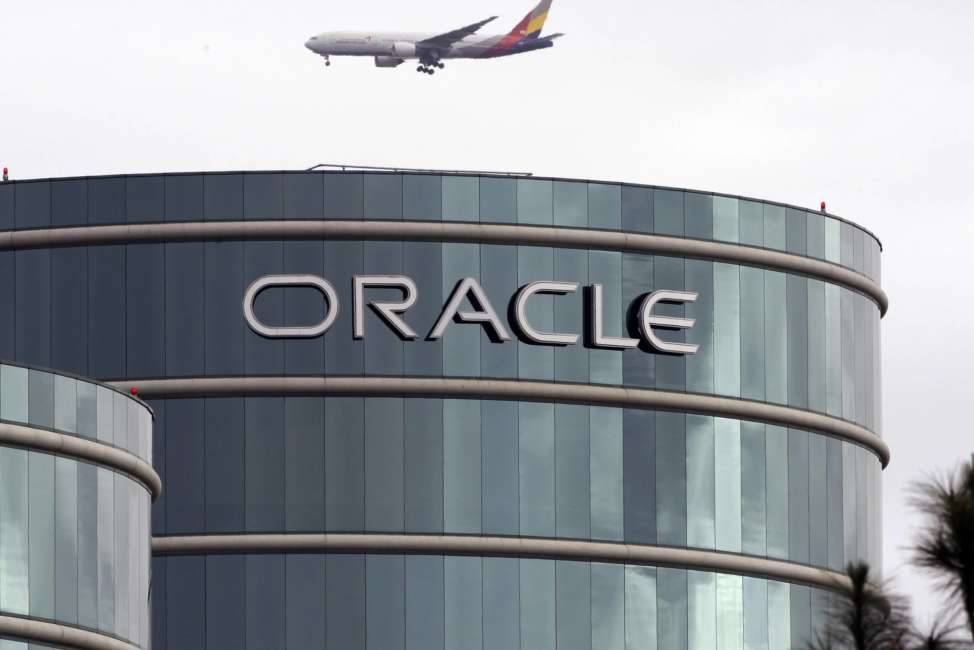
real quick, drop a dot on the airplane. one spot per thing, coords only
(393, 49)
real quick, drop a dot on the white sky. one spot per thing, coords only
(867, 105)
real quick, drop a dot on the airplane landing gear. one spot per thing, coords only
(430, 67)
(327, 61)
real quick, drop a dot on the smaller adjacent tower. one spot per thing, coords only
(76, 484)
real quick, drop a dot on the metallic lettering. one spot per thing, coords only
(388, 310)
(648, 320)
(485, 316)
(290, 281)
(599, 339)
(521, 318)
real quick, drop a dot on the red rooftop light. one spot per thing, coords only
(823, 206)
(6, 174)
(134, 390)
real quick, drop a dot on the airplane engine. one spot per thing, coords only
(387, 61)
(404, 50)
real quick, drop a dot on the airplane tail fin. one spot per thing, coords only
(531, 25)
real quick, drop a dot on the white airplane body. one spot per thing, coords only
(391, 49)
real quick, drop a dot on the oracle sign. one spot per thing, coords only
(392, 312)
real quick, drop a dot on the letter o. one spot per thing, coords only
(268, 281)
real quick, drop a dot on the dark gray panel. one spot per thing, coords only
(145, 199)
(423, 465)
(385, 607)
(345, 602)
(145, 307)
(304, 460)
(184, 304)
(303, 196)
(639, 472)
(384, 507)
(263, 196)
(265, 463)
(797, 289)
(699, 215)
(69, 298)
(425, 603)
(226, 597)
(422, 197)
(637, 209)
(671, 479)
(185, 461)
(225, 465)
(33, 205)
(184, 198)
(265, 602)
(796, 231)
(383, 196)
(223, 197)
(106, 312)
(33, 307)
(223, 321)
(573, 511)
(344, 196)
(345, 464)
(500, 468)
(106, 200)
(668, 218)
(8, 294)
(185, 603)
(498, 200)
(69, 202)
(305, 600)
(798, 515)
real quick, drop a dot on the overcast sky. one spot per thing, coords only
(866, 105)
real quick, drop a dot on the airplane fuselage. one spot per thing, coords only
(394, 44)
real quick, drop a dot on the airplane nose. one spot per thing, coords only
(309, 44)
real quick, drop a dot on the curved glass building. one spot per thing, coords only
(76, 482)
(446, 411)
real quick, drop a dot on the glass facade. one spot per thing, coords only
(74, 536)
(240, 464)
(430, 602)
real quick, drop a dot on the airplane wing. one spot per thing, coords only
(446, 41)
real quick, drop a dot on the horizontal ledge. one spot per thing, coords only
(513, 390)
(32, 630)
(82, 449)
(557, 237)
(515, 547)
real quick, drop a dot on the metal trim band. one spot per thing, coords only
(517, 547)
(82, 449)
(446, 231)
(28, 629)
(513, 390)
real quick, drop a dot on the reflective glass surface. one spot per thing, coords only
(311, 464)
(75, 407)
(73, 544)
(395, 601)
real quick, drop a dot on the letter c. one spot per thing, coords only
(268, 281)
